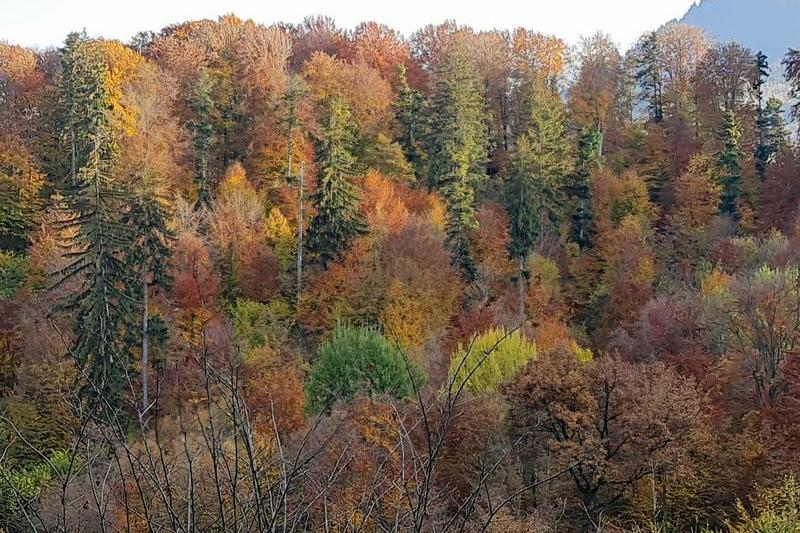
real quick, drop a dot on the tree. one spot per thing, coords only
(579, 187)
(457, 148)
(359, 360)
(648, 74)
(772, 135)
(791, 64)
(202, 105)
(533, 197)
(729, 159)
(490, 359)
(102, 303)
(610, 423)
(410, 113)
(337, 199)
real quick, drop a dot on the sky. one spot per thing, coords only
(43, 23)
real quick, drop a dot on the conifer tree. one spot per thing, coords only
(337, 199)
(148, 259)
(772, 135)
(202, 104)
(729, 159)
(102, 303)
(648, 75)
(533, 199)
(410, 112)
(457, 148)
(580, 187)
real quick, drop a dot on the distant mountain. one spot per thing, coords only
(771, 26)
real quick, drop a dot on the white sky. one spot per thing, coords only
(46, 22)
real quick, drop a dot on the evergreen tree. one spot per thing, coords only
(337, 199)
(410, 112)
(102, 303)
(533, 200)
(148, 259)
(457, 148)
(772, 135)
(580, 187)
(729, 159)
(202, 105)
(648, 75)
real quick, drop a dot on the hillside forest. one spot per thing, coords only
(301, 278)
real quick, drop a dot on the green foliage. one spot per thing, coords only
(772, 135)
(580, 187)
(101, 305)
(457, 148)
(730, 161)
(13, 270)
(21, 488)
(774, 510)
(378, 152)
(202, 105)
(358, 360)
(259, 325)
(411, 115)
(337, 199)
(491, 359)
(533, 197)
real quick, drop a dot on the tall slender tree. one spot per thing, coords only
(202, 105)
(337, 199)
(579, 187)
(102, 303)
(457, 148)
(729, 159)
(648, 74)
(410, 112)
(533, 197)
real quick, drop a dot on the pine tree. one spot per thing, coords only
(533, 199)
(410, 112)
(337, 199)
(202, 105)
(580, 187)
(729, 159)
(102, 304)
(457, 149)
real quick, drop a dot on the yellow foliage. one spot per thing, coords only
(403, 318)
(123, 66)
(715, 283)
(280, 236)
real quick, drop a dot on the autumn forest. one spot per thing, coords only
(303, 278)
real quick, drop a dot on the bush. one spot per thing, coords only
(359, 361)
(491, 359)
(775, 510)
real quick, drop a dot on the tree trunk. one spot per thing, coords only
(145, 342)
(521, 287)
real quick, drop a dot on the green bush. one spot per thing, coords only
(490, 359)
(774, 510)
(357, 360)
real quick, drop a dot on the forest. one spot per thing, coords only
(281, 278)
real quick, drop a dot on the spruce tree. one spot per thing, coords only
(102, 303)
(729, 159)
(411, 115)
(457, 149)
(148, 260)
(533, 199)
(337, 199)
(202, 105)
(648, 75)
(580, 187)
(772, 135)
